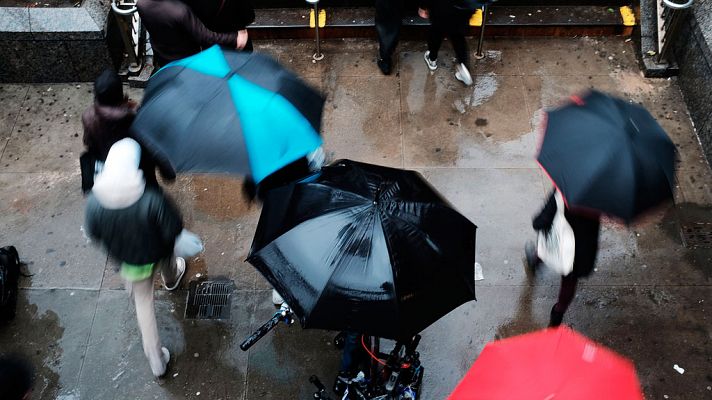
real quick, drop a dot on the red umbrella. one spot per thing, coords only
(553, 364)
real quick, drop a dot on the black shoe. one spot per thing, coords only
(384, 65)
(555, 318)
(532, 259)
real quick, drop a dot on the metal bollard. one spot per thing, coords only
(670, 16)
(318, 55)
(480, 55)
(132, 32)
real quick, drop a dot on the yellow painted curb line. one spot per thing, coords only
(628, 16)
(322, 18)
(476, 19)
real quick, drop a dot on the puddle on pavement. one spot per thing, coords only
(36, 336)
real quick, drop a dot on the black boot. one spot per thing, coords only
(555, 318)
(384, 64)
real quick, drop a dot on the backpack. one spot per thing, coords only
(9, 276)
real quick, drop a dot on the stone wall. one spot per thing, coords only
(54, 44)
(694, 56)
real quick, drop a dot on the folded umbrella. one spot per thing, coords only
(223, 111)
(551, 364)
(608, 155)
(365, 248)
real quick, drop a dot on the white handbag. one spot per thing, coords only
(558, 247)
(187, 244)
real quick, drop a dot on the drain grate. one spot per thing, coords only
(209, 300)
(697, 234)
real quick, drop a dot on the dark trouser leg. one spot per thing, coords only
(388, 24)
(460, 47)
(435, 40)
(566, 292)
(349, 357)
(457, 36)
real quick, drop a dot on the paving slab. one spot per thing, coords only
(48, 131)
(11, 100)
(679, 317)
(500, 239)
(42, 215)
(51, 330)
(446, 124)
(360, 115)
(282, 362)
(206, 361)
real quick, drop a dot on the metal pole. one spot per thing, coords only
(318, 55)
(479, 55)
(672, 17)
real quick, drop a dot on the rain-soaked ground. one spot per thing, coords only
(648, 299)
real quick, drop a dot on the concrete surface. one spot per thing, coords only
(648, 300)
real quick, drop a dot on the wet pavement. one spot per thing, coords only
(648, 298)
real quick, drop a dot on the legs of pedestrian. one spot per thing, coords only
(457, 37)
(566, 295)
(388, 24)
(146, 314)
(435, 40)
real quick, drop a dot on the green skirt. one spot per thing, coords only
(135, 273)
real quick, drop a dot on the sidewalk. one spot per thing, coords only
(648, 299)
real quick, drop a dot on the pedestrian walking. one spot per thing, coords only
(226, 16)
(586, 230)
(389, 16)
(447, 18)
(604, 155)
(138, 225)
(176, 32)
(106, 122)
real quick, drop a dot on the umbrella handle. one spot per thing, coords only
(284, 314)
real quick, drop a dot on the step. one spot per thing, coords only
(278, 23)
(370, 3)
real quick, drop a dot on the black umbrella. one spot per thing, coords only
(230, 112)
(365, 248)
(608, 155)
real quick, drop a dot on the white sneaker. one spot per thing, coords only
(462, 74)
(165, 357)
(432, 64)
(180, 266)
(277, 300)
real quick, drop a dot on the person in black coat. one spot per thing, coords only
(107, 121)
(586, 228)
(389, 15)
(226, 16)
(447, 18)
(176, 32)
(138, 226)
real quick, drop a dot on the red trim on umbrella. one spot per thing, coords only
(578, 100)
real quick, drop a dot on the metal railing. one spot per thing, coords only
(133, 34)
(670, 17)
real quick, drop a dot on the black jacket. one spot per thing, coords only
(224, 15)
(104, 126)
(142, 233)
(586, 232)
(176, 32)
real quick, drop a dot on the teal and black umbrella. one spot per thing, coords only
(608, 155)
(223, 111)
